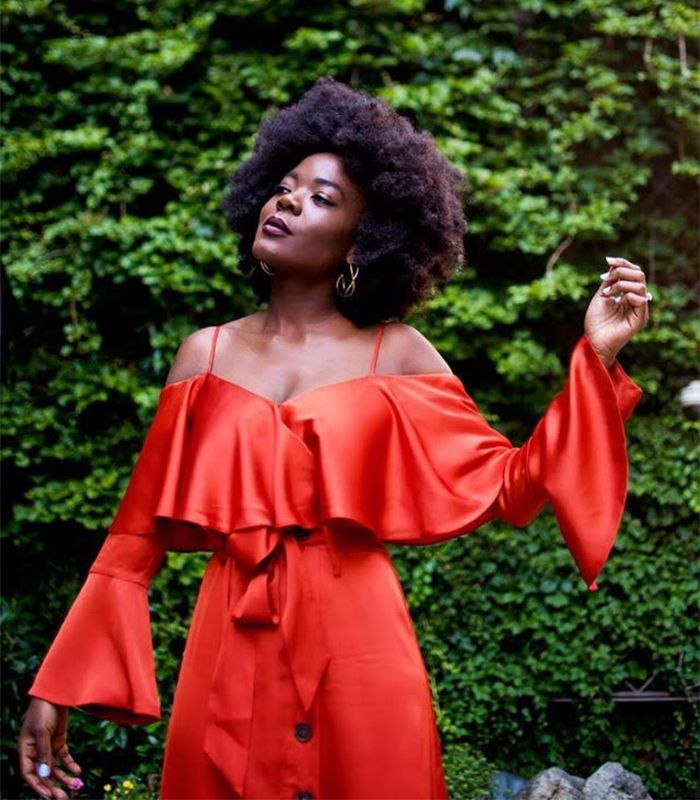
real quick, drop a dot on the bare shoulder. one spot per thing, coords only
(192, 356)
(412, 351)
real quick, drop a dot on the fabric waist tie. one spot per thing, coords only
(259, 552)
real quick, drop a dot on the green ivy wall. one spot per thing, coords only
(576, 122)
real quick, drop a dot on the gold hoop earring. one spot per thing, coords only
(266, 268)
(342, 287)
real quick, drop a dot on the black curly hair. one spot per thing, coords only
(410, 237)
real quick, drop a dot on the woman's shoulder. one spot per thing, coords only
(193, 353)
(412, 350)
(404, 349)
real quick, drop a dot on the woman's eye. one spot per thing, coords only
(319, 196)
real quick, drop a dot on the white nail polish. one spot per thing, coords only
(605, 276)
(607, 290)
(610, 259)
(43, 770)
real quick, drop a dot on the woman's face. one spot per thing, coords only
(321, 208)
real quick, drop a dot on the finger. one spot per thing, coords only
(614, 261)
(44, 759)
(57, 792)
(42, 741)
(67, 759)
(624, 272)
(26, 767)
(636, 300)
(70, 780)
(34, 783)
(632, 287)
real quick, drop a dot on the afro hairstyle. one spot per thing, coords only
(410, 237)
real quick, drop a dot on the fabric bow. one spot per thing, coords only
(273, 566)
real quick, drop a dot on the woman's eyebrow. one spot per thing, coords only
(322, 181)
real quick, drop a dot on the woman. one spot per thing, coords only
(293, 443)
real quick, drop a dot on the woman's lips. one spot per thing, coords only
(275, 221)
(274, 230)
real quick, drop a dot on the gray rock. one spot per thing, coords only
(613, 782)
(553, 784)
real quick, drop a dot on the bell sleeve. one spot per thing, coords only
(459, 472)
(576, 459)
(101, 659)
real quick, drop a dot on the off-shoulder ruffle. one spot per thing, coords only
(408, 457)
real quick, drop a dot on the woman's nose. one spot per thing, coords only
(287, 201)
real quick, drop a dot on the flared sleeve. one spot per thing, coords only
(576, 458)
(452, 472)
(101, 659)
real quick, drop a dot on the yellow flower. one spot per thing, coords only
(128, 785)
(107, 787)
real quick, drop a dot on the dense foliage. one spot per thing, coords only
(576, 123)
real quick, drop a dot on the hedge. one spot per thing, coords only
(576, 124)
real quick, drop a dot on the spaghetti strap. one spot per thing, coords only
(213, 347)
(375, 356)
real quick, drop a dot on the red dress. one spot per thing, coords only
(302, 676)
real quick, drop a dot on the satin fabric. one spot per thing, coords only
(300, 618)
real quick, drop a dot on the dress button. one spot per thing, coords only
(301, 533)
(304, 796)
(303, 732)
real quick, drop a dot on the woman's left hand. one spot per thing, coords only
(610, 323)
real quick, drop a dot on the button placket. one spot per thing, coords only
(303, 731)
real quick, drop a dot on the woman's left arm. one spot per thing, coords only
(576, 457)
(618, 310)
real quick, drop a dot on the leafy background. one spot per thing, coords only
(576, 122)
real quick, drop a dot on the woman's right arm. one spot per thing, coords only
(101, 659)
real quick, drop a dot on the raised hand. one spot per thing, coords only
(618, 310)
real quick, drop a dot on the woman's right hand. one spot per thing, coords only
(44, 732)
